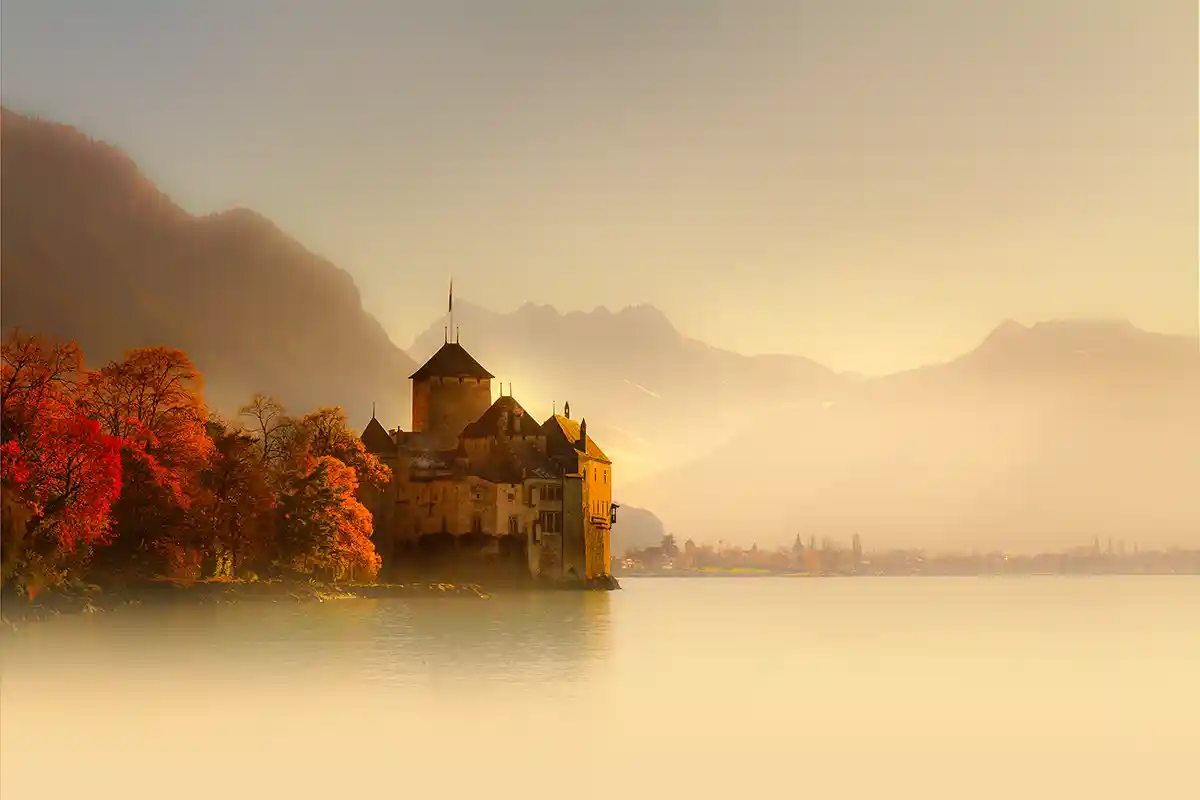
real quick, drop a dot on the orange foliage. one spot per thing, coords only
(126, 456)
(326, 529)
(152, 400)
(327, 433)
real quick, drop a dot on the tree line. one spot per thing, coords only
(123, 472)
(828, 557)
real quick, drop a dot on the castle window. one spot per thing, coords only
(513, 528)
(550, 521)
(476, 524)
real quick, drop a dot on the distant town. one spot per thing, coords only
(828, 559)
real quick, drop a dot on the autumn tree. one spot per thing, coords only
(279, 441)
(60, 472)
(36, 372)
(326, 432)
(152, 401)
(234, 506)
(324, 529)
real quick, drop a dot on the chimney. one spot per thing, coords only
(581, 445)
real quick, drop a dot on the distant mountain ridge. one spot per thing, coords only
(93, 251)
(1043, 436)
(653, 396)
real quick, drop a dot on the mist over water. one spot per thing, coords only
(1023, 687)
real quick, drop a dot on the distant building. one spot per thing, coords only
(476, 479)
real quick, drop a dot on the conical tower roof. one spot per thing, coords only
(451, 361)
(376, 439)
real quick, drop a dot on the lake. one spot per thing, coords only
(718, 687)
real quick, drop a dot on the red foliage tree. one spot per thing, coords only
(71, 474)
(59, 469)
(152, 401)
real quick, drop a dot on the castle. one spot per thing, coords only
(481, 484)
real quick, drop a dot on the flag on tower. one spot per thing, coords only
(450, 305)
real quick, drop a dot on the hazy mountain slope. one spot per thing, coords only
(635, 529)
(653, 397)
(1042, 437)
(94, 252)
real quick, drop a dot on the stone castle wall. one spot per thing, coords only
(442, 407)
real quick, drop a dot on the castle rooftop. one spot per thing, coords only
(570, 431)
(520, 423)
(451, 361)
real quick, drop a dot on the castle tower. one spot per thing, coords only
(450, 391)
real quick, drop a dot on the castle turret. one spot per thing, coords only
(450, 391)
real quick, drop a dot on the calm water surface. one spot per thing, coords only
(911, 687)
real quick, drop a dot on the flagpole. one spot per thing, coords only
(450, 305)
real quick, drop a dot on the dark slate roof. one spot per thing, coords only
(532, 461)
(569, 430)
(451, 361)
(514, 461)
(488, 423)
(376, 439)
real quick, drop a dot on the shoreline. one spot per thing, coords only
(932, 574)
(17, 611)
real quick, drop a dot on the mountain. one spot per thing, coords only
(635, 529)
(1042, 437)
(93, 251)
(653, 397)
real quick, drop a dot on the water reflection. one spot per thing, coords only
(727, 688)
(511, 637)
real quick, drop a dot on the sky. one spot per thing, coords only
(874, 184)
